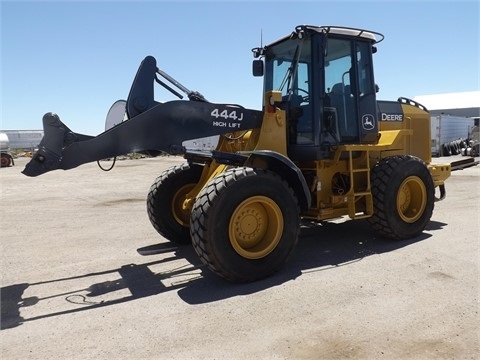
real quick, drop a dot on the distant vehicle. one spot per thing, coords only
(6, 156)
(473, 146)
(449, 134)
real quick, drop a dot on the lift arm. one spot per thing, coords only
(154, 126)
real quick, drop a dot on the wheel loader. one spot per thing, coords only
(321, 148)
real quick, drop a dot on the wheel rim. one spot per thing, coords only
(411, 199)
(5, 161)
(256, 227)
(179, 212)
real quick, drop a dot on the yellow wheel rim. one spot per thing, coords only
(411, 199)
(256, 227)
(181, 214)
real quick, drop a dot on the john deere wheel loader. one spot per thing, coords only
(322, 147)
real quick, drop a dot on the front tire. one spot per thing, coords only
(245, 223)
(403, 197)
(165, 202)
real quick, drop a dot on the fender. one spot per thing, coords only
(284, 167)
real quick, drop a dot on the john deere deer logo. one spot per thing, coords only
(368, 122)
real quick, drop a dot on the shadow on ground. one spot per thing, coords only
(321, 247)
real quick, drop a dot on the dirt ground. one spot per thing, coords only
(85, 276)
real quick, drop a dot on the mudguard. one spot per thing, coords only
(285, 167)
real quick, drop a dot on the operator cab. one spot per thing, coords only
(326, 78)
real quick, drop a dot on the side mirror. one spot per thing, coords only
(257, 68)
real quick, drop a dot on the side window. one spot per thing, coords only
(340, 93)
(336, 74)
(302, 94)
(365, 82)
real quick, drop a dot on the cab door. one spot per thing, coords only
(350, 91)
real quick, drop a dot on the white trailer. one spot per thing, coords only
(447, 129)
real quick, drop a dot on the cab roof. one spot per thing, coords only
(374, 36)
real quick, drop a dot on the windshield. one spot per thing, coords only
(287, 65)
(288, 69)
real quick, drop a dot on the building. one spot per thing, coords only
(463, 104)
(24, 139)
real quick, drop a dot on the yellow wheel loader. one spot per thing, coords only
(322, 147)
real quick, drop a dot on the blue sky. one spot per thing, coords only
(77, 58)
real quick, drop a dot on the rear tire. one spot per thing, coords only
(5, 161)
(165, 200)
(245, 223)
(403, 197)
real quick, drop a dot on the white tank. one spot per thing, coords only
(4, 143)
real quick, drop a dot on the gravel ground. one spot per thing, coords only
(85, 276)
